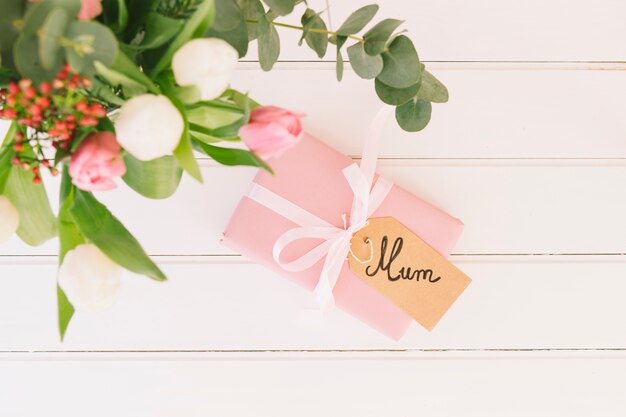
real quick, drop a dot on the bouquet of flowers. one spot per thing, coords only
(98, 90)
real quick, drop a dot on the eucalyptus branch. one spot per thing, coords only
(314, 30)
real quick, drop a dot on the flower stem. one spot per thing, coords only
(315, 30)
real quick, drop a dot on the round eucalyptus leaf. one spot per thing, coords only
(88, 42)
(227, 15)
(26, 57)
(401, 65)
(414, 115)
(432, 89)
(236, 37)
(315, 40)
(269, 44)
(376, 38)
(395, 96)
(281, 7)
(50, 51)
(366, 66)
(357, 20)
(36, 14)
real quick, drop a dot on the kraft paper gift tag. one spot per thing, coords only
(415, 277)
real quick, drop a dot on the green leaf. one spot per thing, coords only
(115, 14)
(195, 27)
(7, 75)
(90, 42)
(69, 234)
(395, 96)
(212, 116)
(155, 179)
(231, 157)
(339, 66)
(316, 40)
(236, 37)
(124, 65)
(269, 44)
(401, 68)
(37, 13)
(432, 89)
(376, 38)
(37, 222)
(49, 47)
(27, 60)
(184, 151)
(5, 167)
(158, 31)
(366, 66)
(413, 115)
(102, 91)
(228, 15)
(102, 229)
(116, 79)
(357, 20)
(281, 7)
(12, 10)
(252, 10)
(65, 311)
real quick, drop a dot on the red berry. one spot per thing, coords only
(45, 88)
(26, 121)
(45, 163)
(25, 166)
(13, 88)
(43, 102)
(57, 84)
(15, 160)
(37, 179)
(30, 93)
(36, 170)
(25, 84)
(34, 109)
(60, 125)
(11, 100)
(19, 136)
(54, 172)
(97, 110)
(18, 146)
(86, 82)
(10, 113)
(82, 106)
(88, 121)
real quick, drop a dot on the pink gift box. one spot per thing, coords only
(310, 176)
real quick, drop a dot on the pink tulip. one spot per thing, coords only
(88, 9)
(96, 162)
(271, 130)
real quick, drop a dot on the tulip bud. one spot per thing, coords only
(90, 279)
(149, 127)
(207, 64)
(9, 219)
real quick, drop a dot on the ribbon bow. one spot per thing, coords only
(336, 245)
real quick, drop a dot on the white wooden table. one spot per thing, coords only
(530, 153)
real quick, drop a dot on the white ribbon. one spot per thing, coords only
(336, 240)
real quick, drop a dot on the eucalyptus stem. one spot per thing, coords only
(315, 30)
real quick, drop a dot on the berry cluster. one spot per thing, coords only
(52, 115)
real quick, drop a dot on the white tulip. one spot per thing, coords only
(207, 63)
(9, 219)
(149, 127)
(90, 279)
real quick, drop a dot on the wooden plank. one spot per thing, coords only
(226, 304)
(495, 111)
(489, 30)
(312, 385)
(510, 207)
